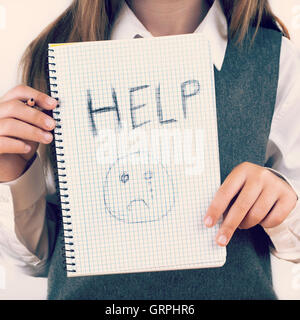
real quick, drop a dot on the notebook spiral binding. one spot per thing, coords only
(68, 251)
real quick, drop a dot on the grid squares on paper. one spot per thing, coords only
(135, 212)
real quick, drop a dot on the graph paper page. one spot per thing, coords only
(138, 131)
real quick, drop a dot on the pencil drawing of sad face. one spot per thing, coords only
(138, 189)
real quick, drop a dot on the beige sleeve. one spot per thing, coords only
(24, 227)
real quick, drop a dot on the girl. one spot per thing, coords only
(257, 107)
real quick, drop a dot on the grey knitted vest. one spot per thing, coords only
(245, 92)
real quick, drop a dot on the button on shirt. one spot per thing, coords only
(24, 228)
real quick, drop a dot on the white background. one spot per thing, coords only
(20, 22)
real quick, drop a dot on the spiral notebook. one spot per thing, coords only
(137, 150)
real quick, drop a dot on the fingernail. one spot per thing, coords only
(51, 101)
(27, 148)
(208, 221)
(48, 137)
(50, 123)
(222, 240)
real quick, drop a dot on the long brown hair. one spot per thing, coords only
(90, 20)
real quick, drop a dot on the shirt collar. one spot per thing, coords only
(213, 27)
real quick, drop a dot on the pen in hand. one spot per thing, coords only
(30, 102)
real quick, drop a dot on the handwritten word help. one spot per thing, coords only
(188, 89)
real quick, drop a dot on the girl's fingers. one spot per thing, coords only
(250, 195)
(17, 109)
(21, 130)
(260, 209)
(243, 203)
(279, 212)
(227, 191)
(14, 146)
(24, 93)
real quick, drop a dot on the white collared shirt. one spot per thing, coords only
(23, 224)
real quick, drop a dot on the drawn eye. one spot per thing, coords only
(148, 175)
(124, 177)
